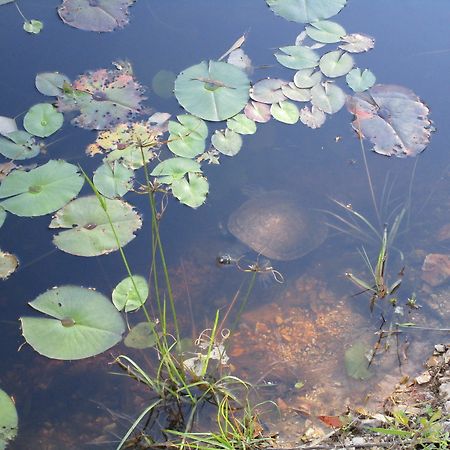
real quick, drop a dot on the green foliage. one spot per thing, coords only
(142, 335)
(33, 26)
(113, 179)
(360, 81)
(335, 64)
(9, 421)
(43, 120)
(51, 83)
(297, 57)
(130, 294)
(19, 145)
(325, 31)
(187, 138)
(227, 142)
(356, 362)
(285, 112)
(191, 191)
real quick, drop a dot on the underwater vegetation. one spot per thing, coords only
(161, 157)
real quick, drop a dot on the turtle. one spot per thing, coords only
(275, 225)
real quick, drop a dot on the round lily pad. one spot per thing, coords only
(187, 137)
(286, 112)
(142, 335)
(227, 142)
(125, 297)
(19, 145)
(50, 83)
(328, 97)
(2, 216)
(43, 120)
(268, 91)
(258, 112)
(83, 323)
(9, 421)
(360, 81)
(306, 11)
(297, 57)
(307, 78)
(212, 90)
(175, 168)
(42, 190)
(335, 64)
(241, 124)
(163, 83)
(8, 264)
(90, 232)
(113, 179)
(191, 191)
(325, 31)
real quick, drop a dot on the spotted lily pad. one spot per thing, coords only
(360, 81)
(325, 31)
(89, 230)
(130, 295)
(143, 335)
(212, 90)
(9, 421)
(306, 11)
(42, 190)
(393, 118)
(113, 179)
(8, 264)
(19, 145)
(83, 323)
(104, 98)
(191, 191)
(297, 57)
(335, 64)
(43, 120)
(227, 142)
(95, 15)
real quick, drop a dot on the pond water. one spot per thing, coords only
(293, 332)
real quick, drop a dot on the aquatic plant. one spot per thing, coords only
(9, 421)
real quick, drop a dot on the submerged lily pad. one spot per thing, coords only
(84, 323)
(113, 179)
(90, 232)
(19, 145)
(356, 362)
(297, 57)
(191, 191)
(393, 118)
(212, 90)
(227, 142)
(42, 190)
(95, 15)
(9, 421)
(43, 120)
(163, 83)
(143, 335)
(306, 11)
(8, 264)
(129, 296)
(360, 81)
(104, 98)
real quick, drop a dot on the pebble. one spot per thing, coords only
(444, 390)
(424, 378)
(358, 440)
(439, 348)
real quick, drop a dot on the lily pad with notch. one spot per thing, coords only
(241, 124)
(268, 91)
(258, 112)
(360, 81)
(19, 145)
(187, 136)
(51, 83)
(89, 230)
(328, 97)
(82, 323)
(227, 142)
(175, 169)
(191, 191)
(297, 57)
(336, 64)
(130, 294)
(113, 179)
(286, 112)
(325, 31)
(9, 420)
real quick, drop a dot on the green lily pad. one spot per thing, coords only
(125, 297)
(306, 11)
(268, 91)
(50, 83)
(335, 64)
(325, 31)
(163, 83)
(19, 145)
(43, 120)
(90, 232)
(286, 112)
(2, 216)
(328, 97)
(8, 264)
(212, 90)
(175, 168)
(84, 323)
(297, 57)
(113, 179)
(227, 142)
(191, 191)
(42, 190)
(356, 362)
(292, 92)
(142, 335)
(187, 138)
(33, 26)
(258, 112)
(4, 2)
(307, 78)
(9, 421)
(241, 124)
(360, 81)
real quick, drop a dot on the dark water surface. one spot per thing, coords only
(309, 321)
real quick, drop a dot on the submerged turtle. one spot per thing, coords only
(273, 224)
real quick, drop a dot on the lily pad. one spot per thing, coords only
(227, 142)
(212, 90)
(51, 83)
(335, 64)
(104, 98)
(113, 179)
(7, 125)
(89, 231)
(292, 92)
(191, 191)
(125, 297)
(95, 15)
(325, 31)
(187, 138)
(268, 91)
(4, 2)
(360, 81)
(2, 216)
(84, 323)
(357, 43)
(19, 145)
(175, 168)
(258, 112)
(286, 112)
(312, 118)
(8, 264)
(163, 83)
(43, 120)
(306, 11)
(241, 124)
(42, 190)
(142, 335)
(328, 97)
(393, 118)
(33, 26)
(356, 362)
(9, 421)
(307, 78)
(297, 57)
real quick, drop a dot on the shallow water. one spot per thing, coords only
(301, 327)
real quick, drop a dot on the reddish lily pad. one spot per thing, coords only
(95, 15)
(393, 118)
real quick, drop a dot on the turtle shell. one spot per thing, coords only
(277, 226)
